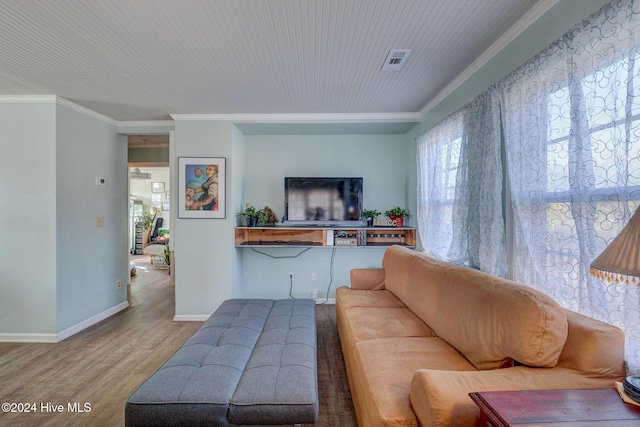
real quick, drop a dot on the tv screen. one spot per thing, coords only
(323, 201)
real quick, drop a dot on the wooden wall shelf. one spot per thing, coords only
(325, 237)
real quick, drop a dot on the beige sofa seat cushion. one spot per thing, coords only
(383, 371)
(593, 347)
(365, 323)
(348, 298)
(441, 398)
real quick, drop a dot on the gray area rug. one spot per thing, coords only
(336, 406)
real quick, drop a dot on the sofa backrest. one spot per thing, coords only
(397, 266)
(488, 319)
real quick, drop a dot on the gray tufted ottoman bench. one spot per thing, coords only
(253, 362)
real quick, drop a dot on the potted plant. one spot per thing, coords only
(147, 220)
(253, 216)
(397, 215)
(370, 214)
(147, 223)
(167, 255)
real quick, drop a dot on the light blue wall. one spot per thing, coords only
(90, 259)
(237, 189)
(57, 270)
(28, 218)
(380, 159)
(208, 267)
(204, 255)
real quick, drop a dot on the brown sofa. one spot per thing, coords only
(419, 335)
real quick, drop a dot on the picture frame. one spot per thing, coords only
(201, 187)
(165, 206)
(156, 199)
(157, 187)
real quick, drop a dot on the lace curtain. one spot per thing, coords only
(572, 127)
(438, 154)
(460, 190)
(568, 122)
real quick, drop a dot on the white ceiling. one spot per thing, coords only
(145, 59)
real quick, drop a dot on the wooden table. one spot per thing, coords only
(585, 407)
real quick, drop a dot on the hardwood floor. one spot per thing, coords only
(102, 365)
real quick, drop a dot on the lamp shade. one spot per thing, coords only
(622, 256)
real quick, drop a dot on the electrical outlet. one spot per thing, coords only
(314, 294)
(314, 276)
(118, 284)
(100, 221)
(290, 275)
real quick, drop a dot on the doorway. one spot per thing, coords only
(149, 194)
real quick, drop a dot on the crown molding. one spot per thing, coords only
(303, 118)
(83, 110)
(145, 124)
(33, 99)
(53, 99)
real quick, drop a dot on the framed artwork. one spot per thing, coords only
(201, 187)
(157, 187)
(166, 195)
(165, 206)
(156, 199)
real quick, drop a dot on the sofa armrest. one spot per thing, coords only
(367, 278)
(441, 398)
(593, 347)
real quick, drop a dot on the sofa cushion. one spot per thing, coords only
(397, 266)
(489, 320)
(348, 298)
(384, 368)
(252, 362)
(364, 323)
(425, 286)
(279, 382)
(367, 278)
(441, 398)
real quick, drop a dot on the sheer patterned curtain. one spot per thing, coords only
(438, 156)
(572, 128)
(460, 210)
(569, 123)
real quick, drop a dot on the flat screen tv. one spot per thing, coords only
(323, 201)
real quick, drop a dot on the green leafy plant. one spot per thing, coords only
(396, 211)
(253, 215)
(147, 220)
(370, 213)
(167, 255)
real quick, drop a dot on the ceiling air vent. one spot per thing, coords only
(396, 59)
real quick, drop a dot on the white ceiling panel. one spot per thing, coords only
(146, 59)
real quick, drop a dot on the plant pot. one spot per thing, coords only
(252, 222)
(398, 220)
(370, 222)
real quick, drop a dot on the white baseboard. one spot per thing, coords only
(35, 338)
(53, 338)
(330, 301)
(190, 317)
(91, 321)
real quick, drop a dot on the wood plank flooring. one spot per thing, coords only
(102, 365)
